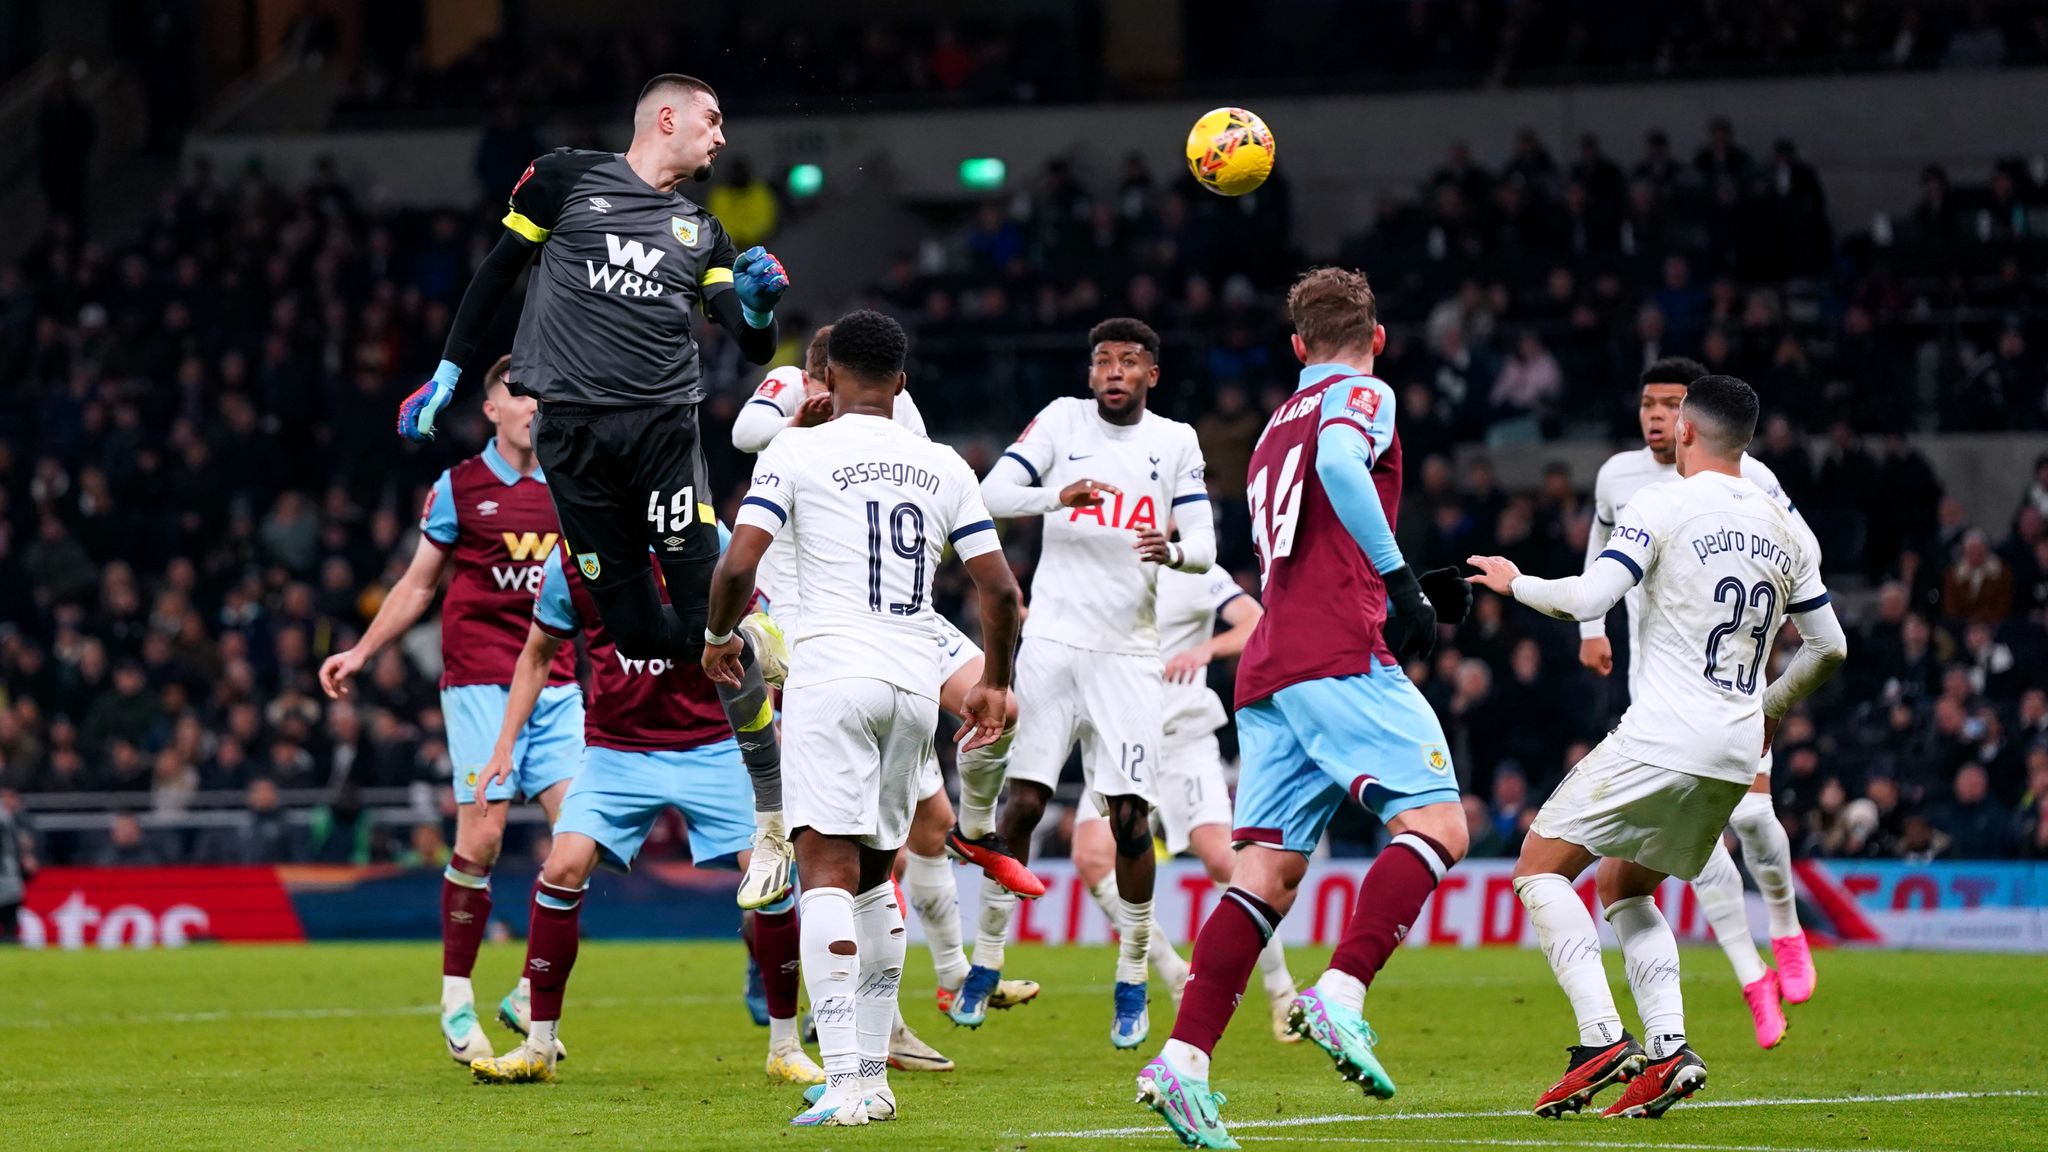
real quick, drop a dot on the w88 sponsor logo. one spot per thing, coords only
(525, 573)
(644, 667)
(628, 269)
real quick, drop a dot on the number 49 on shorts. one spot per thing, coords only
(675, 514)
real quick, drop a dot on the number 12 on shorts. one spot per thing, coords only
(1131, 757)
(674, 515)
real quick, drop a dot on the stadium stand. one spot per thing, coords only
(201, 495)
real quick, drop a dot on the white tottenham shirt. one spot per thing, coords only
(1624, 475)
(874, 508)
(1090, 590)
(1719, 563)
(1189, 604)
(764, 416)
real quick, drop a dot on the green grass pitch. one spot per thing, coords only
(335, 1046)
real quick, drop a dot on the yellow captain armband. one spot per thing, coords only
(527, 228)
(714, 276)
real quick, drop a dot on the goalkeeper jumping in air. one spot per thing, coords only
(605, 345)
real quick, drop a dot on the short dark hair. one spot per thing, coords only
(819, 352)
(1125, 330)
(675, 80)
(867, 344)
(1333, 310)
(1728, 405)
(1674, 370)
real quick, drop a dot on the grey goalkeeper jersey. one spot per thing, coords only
(622, 265)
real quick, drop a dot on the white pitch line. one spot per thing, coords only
(1470, 1142)
(225, 1014)
(1346, 1118)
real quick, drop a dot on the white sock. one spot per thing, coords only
(783, 1035)
(1106, 897)
(540, 1037)
(766, 821)
(1649, 952)
(878, 926)
(998, 908)
(981, 781)
(1565, 932)
(455, 992)
(1719, 887)
(928, 885)
(825, 917)
(1165, 960)
(1341, 988)
(1768, 852)
(1273, 971)
(1134, 925)
(1187, 1058)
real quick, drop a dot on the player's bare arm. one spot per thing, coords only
(529, 676)
(732, 582)
(815, 410)
(1585, 597)
(987, 709)
(1087, 493)
(1241, 615)
(402, 608)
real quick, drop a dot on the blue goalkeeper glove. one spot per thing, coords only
(759, 279)
(416, 415)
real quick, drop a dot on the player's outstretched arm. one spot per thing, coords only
(732, 583)
(529, 676)
(986, 710)
(402, 608)
(493, 282)
(1587, 596)
(747, 310)
(1011, 489)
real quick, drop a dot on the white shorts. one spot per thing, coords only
(1191, 788)
(956, 651)
(1613, 806)
(852, 754)
(1110, 702)
(930, 781)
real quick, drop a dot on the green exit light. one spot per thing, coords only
(982, 173)
(805, 180)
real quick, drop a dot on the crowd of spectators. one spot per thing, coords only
(760, 65)
(201, 494)
(1523, 300)
(1433, 43)
(1274, 47)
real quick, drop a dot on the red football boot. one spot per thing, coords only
(989, 855)
(1591, 1069)
(1664, 1083)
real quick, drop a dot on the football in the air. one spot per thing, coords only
(1230, 151)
